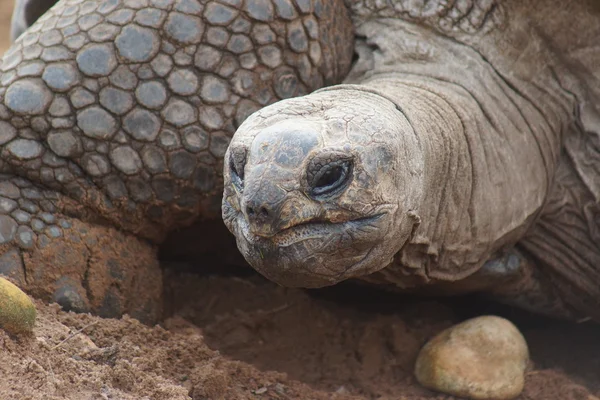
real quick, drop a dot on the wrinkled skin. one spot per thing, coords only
(462, 179)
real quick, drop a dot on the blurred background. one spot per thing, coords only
(5, 13)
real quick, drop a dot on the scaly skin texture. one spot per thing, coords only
(491, 185)
(114, 119)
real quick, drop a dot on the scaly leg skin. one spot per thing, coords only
(50, 252)
(524, 285)
(121, 111)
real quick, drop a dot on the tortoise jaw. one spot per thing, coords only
(305, 230)
(315, 253)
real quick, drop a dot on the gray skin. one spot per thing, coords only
(466, 131)
(461, 154)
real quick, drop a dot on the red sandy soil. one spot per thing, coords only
(242, 337)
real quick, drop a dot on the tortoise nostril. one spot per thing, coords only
(262, 212)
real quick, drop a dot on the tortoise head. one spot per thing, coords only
(320, 189)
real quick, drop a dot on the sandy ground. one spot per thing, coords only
(241, 337)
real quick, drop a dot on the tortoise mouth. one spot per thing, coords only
(315, 253)
(309, 230)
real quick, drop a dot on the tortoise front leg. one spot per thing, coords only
(51, 249)
(515, 279)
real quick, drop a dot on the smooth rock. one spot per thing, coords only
(17, 312)
(481, 358)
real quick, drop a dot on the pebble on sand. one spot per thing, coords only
(17, 312)
(481, 358)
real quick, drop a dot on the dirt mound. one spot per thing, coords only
(242, 337)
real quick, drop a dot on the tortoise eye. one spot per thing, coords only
(237, 163)
(328, 178)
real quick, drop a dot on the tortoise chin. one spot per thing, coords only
(315, 254)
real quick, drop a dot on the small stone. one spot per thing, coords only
(17, 312)
(481, 358)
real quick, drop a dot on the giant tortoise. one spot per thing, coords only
(452, 146)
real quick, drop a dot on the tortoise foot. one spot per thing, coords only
(61, 257)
